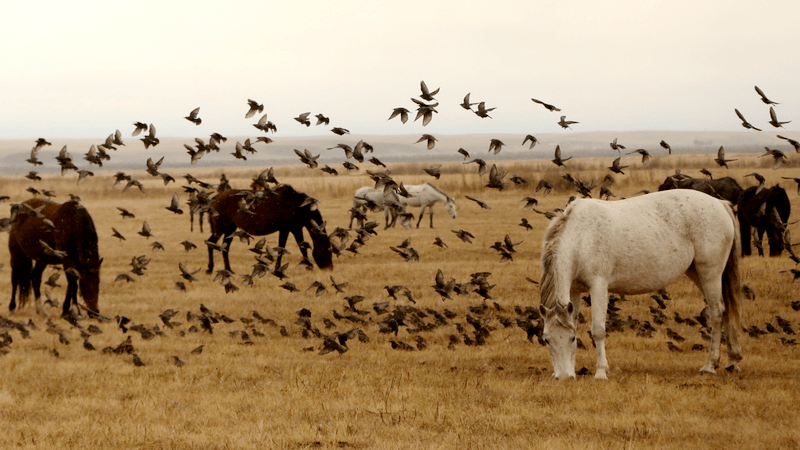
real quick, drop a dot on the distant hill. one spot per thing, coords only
(396, 148)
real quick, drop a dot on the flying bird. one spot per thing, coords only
(431, 141)
(764, 97)
(192, 117)
(530, 202)
(616, 167)
(255, 107)
(483, 111)
(557, 160)
(466, 104)
(564, 123)
(464, 153)
(773, 119)
(496, 178)
(533, 140)
(550, 108)
(720, 159)
(646, 157)
(495, 145)
(480, 203)
(173, 206)
(792, 142)
(666, 146)
(427, 94)
(402, 112)
(745, 123)
(615, 146)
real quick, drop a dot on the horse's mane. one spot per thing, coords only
(552, 239)
(438, 190)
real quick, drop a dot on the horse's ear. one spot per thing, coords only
(544, 311)
(313, 206)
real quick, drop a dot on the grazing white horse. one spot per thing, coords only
(376, 199)
(635, 246)
(425, 196)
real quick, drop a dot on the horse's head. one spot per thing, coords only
(776, 231)
(450, 207)
(89, 285)
(559, 337)
(321, 249)
(669, 183)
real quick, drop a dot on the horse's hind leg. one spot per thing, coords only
(599, 295)
(36, 283)
(711, 286)
(422, 213)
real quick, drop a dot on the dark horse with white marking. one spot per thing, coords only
(259, 213)
(53, 233)
(760, 211)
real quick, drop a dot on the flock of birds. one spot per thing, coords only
(472, 328)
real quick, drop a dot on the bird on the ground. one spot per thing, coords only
(192, 117)
(745, 123)
(550, 108)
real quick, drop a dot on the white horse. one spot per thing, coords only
(376, 199)
(425, 196)
(635, 246)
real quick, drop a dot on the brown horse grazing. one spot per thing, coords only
(281, 209)
(54, 233)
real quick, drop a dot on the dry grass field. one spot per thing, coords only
(275, 391)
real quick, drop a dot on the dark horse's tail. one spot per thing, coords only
(732, 294)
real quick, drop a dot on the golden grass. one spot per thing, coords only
(274, 394)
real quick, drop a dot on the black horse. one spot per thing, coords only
(259, 213)
(53, 233)
(726, 188)
(762, 211)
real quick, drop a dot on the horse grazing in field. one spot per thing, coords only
(54, 233)
(427, 195)
(635, 246)
(260, 213)
(725, 188)
(760, 211)
(370, 198)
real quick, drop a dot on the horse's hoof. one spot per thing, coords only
(707, 371)
(600, 375)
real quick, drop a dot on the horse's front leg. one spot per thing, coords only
(713, 294)
(226, 249)
(72, 294)
(430, 210)
(36, 283)
(298, 238)
(283, 236)
(599, 295)
(213, 239)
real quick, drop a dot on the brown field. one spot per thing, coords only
(279, 393)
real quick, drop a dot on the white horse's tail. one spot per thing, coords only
(732, 294)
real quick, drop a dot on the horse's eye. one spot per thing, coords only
(573, 339)
(546, 342)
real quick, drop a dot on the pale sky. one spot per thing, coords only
(82, 69)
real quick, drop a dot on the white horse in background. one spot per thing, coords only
(376, 200)
(425, 196)
(636, 246)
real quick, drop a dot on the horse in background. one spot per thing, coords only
(427, 195)
(760, 211)
(280, 209)
(373, 199)
(53, 233)
(635, 246)
(725, 188)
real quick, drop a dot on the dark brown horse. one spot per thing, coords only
(725, 188)
(762, 211)
(259, 213)
(54, 233)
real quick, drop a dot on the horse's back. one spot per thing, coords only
(663, 233)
